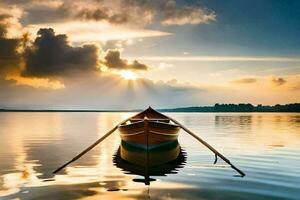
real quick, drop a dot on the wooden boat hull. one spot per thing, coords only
(149, 134)
(157, 162)
(154, 157)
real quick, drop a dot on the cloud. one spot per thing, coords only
(104, 20)
(113, 60)
(287, 83)
(168, 12)
(69, 11)
(36, 82)
(51, 55)
(244, 81)
(266, 81)
(100, 14)
(164, 65)
(48, 60)
(9, 56)
(42, 13)
(133, 12)
(10, 17)
(186, 15)
(269, 84)
(82, 32)
(278, 81)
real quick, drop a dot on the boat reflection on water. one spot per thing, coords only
(160, 161)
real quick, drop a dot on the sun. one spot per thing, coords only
(128, 75)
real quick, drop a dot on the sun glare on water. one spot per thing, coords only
(128, 75)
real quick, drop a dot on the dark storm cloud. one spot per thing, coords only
(51, 55)
(9, 56)
(113, 60)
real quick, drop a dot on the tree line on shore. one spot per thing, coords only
(242, 107)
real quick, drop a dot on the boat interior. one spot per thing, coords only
(151, 115)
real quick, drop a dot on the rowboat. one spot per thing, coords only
(148, 129)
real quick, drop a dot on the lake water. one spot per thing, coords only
(266, 146)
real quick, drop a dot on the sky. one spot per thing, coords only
(126, 54)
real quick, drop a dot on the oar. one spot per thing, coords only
(208, 146)
(90, 147)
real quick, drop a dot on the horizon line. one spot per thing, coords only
(3, 109)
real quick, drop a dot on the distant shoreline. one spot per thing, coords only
(217, 108)
(122, 111)
(63, 110)
(163, 110)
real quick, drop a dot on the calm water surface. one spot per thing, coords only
(266, 146)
